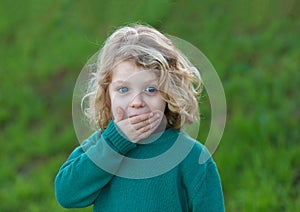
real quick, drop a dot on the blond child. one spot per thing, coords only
(141, 95)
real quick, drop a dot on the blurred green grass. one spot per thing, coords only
(254, 46)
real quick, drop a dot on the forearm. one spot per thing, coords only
(89, 168)
(79, 181)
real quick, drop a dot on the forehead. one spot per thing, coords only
(129, 71)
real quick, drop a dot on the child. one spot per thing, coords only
(142, 93)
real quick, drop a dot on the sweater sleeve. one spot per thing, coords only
(208, 195)
(90, 167)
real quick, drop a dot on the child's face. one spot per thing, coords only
(134, 89)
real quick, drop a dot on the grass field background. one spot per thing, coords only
(253, 45)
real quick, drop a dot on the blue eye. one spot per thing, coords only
(151, 89)
(123, 89)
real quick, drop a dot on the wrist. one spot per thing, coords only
(116, 139)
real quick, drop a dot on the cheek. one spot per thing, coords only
(157, 104)
(163, 106)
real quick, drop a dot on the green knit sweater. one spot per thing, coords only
(96, 173)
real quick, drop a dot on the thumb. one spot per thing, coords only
(120, 114)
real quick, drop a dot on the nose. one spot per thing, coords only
(137, 101)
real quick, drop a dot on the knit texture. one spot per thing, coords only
(90, 177)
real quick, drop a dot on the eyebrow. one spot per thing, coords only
(126, 81)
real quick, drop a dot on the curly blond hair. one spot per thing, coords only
(179, 81)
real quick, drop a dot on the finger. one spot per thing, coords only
(146, 131)
(142, 125)
(149, 128)
(140, 118)
(146, 122)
